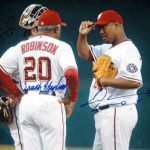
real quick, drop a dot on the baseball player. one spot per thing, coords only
(45, 74)
(114, 103)
(28, 21)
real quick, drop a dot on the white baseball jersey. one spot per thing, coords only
(39, 60)
(127, 59)
(39, 64)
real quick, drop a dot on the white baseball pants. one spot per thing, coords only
(43, 122)
(114, 127)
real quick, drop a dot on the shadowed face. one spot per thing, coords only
(108, 32)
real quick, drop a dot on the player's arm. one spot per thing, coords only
(72, 82)
(82, 43)
(129, 72)
(119, 83)
(70, 72)
(4, 90)
(8, 87)
(83, 47)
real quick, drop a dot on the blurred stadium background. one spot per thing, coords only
(136, 14)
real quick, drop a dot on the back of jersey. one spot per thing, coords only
(42, 63)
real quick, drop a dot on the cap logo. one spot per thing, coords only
(99, 16)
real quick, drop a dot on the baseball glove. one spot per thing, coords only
(104, 67)
(6, 114)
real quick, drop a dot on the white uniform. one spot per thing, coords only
(116, 113)
(41, 62)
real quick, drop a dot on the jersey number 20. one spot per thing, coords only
(39, 69)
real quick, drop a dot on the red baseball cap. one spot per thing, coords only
(107, 17)
(50, 18)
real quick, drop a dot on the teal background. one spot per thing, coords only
(136, 14)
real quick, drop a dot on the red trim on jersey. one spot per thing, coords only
(4, 70)
(7, 82)
(72, 81)
(18, 129)
(133, 79)
(63, 124)
(92, 57)
(115, 144)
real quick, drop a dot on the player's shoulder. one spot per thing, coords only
(102, 48)
(130, 43)
(125, 48)
(106, 46)
(127, 43)
(129, 46)
(62, 44)
(49, 39)
(13, 48)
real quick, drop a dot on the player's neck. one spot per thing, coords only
(52, 35)
(120, 39)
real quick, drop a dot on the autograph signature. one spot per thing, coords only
(48, 86)
(140, 97)
(9, 31)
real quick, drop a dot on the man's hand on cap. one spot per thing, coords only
(86, 27)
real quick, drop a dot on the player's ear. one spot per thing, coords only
(34, 31)
(116, 25)
(57, 29)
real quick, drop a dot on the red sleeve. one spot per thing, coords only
(90, 59)
(72, 80)
(7, 82)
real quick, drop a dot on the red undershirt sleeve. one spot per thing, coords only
(7, 82)
(72, 81)
(90, 59)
